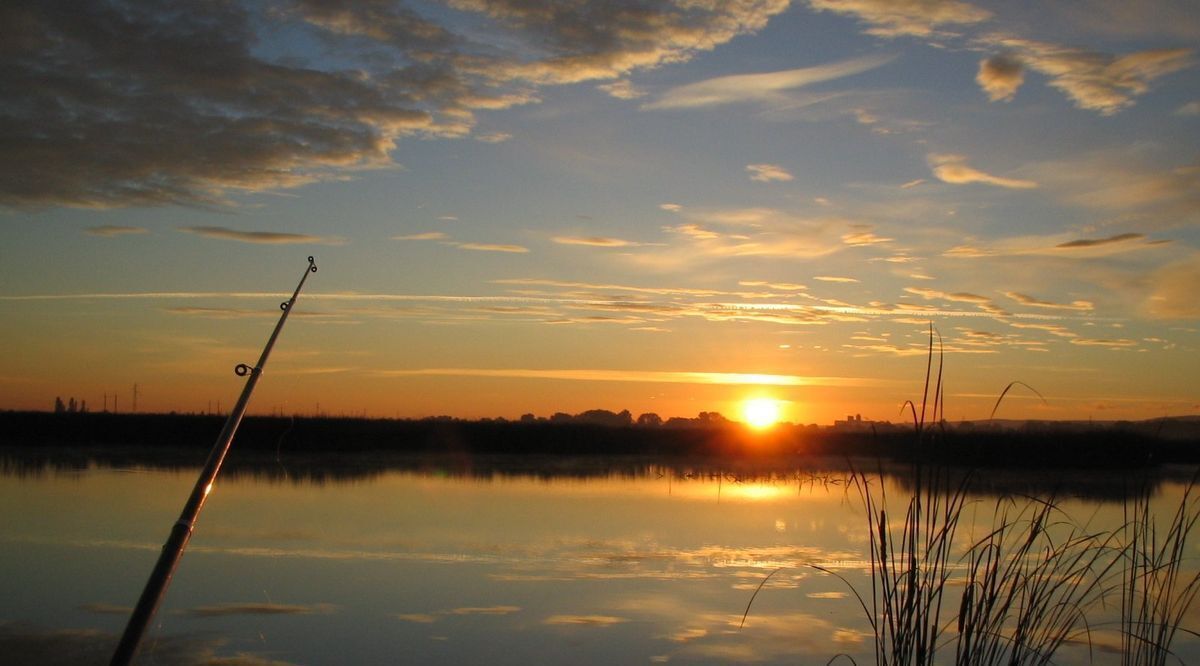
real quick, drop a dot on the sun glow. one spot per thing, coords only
(761, 413)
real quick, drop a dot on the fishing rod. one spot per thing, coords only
(181, 532)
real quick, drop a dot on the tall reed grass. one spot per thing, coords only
(1029, 584)
(1156, 593)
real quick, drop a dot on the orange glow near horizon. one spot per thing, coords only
(761, 413)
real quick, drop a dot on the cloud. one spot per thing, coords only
(1128, 180)
(1056, 330)
(765, 173)
(1097, 242)
(749, 232)
(490, 247)
(590, 286)
(636, 376)
(419, 618)
(670, 207)
(426, 235)
(1000, 76)
(960, 297)
(228, 103)
(258, 608)
(954, 169)
(485, 610)
(894, 18)
(1190, 109)
(765, 87)
(588, 620)
(863, 238)
(1173, 290)
(1093, 81)
(221, 313)
(494, 137)
(266, 237)
(430, 618)
(622, 89)
(1118, 343)
(1023, 299)
(582, 41)
(106, 609)
(780, 286)
(1058, 245)
(835, 278)
(110, 231)
(594, 241)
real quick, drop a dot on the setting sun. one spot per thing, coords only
(761, 413)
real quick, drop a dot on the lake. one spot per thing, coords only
(491, 560)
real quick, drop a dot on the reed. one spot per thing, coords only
(1156, 594)
(911, 565)
(1029, 583)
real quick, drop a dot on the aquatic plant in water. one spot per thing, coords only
(1030, 581)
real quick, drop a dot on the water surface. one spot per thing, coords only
(452, 562)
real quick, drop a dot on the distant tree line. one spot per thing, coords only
(624, 419)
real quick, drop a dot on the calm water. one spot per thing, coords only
(470, 563)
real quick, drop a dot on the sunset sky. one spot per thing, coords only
(661, 206)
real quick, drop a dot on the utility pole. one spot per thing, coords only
(106, 402)
(135, 395)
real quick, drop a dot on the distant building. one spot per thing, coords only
(853, 423)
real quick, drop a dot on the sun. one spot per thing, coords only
(761, 413)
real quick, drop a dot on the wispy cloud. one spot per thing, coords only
(259, 608)
(1173, 290)
(490, 247)
(1057, 330)
(423, 236)
(601, 287)
(1024, 299)
(1190, 109)
(106, 609)
(835, 278)
(889, 18)
(429, 618)
(766, 173)
(748, 232)
(1129, 180)
(1097, 242)
(493, 137)
(622, 89)
(111, 230)
(780, 286)
(671, 207)
(585, 620)
(241, 313)
(960, 297)
(863, 237)
(1058, 245)
(954, 169)
(637, 376)
(1113, 343)
(768, 87)
(594, 241)
(265, 237)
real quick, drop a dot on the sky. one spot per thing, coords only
(668, 206)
